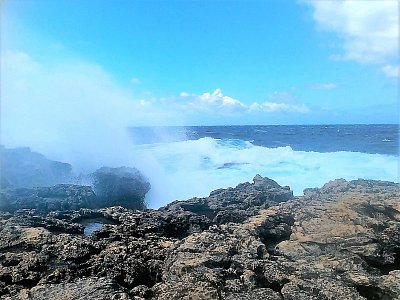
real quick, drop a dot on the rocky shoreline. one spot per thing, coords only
(254, 241)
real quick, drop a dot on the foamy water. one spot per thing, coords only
(185, 169)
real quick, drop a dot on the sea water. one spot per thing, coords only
(185, 162)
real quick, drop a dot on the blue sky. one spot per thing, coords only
(198, 62)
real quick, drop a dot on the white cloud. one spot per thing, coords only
(369, 30)
(135, 80)
(214, 103)
(391, 71)
(285, 97)
(145, 102)
(280, 101)
(276, 107)
(324, 86)
(217, 102)
(184, 94)
(216, 98)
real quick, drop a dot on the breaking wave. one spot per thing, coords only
(185, 169)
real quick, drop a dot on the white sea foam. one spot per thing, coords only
(181, 170)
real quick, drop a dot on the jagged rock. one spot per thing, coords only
(30, 180)
(235, 204)
(82, 289)
(20, 167)
(341, 241)
(116, 187)
(122, 186)
(58, 197)
(345, 240)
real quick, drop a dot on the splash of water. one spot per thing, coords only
(196, 167)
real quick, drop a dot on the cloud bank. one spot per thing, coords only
(217, 102)
(391, 71)
(368, 30)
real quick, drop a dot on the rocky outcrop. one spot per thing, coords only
(27, 181)
(82, 289)
(125, 187)
(235, 204)
(337, 242)
(120, 186)
(347, 235)
(46, 199)
(22, 168)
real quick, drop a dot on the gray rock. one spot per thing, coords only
(122, 186)
(235, 204)
(46, 199)
(340, 241)
(82, 289)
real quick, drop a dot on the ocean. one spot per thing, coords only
(186, 162)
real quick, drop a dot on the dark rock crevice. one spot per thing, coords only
(274, 230)
(383, 266)
(374, 293)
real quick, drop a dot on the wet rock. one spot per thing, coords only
(122, 186)
(46, 199)
(235, 204)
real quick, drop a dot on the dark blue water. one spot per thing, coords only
(381, 139)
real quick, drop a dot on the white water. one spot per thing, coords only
(74, 112)
(185, 169)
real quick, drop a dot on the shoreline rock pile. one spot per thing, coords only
(111, 187)
(254, 241)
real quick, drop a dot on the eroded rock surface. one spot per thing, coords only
(235, 204)
(123, 186)
(337, 242)
(46, 199)
(347, 234)
(120, 186)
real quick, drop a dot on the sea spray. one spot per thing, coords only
(196, 167)
(72, 112)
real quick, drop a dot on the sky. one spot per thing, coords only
(142, 63)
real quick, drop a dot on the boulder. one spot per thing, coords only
(122, 186)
